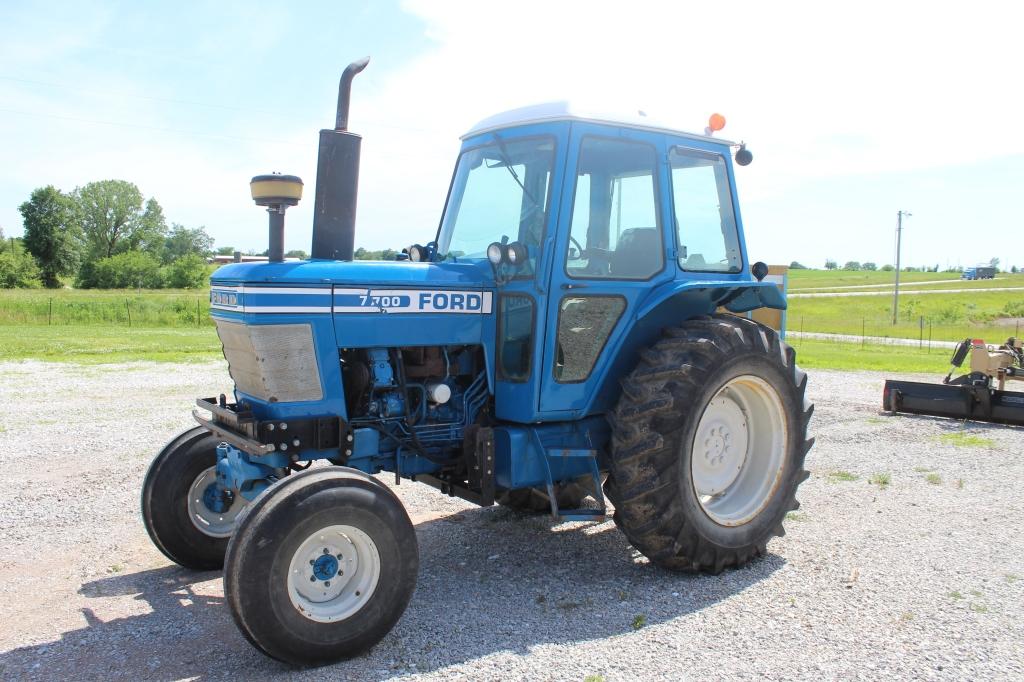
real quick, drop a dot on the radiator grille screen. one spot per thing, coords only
(272, 362)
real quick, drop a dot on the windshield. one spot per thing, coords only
(500, 193)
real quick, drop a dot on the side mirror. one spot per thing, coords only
(759, 270)
(743, 156)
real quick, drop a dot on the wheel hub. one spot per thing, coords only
(217, 499)
(720, 446)
(325, 567)
(211, 508)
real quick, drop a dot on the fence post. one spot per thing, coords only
(129, 309)
(49, 316)
(197, 311)
(920, 335)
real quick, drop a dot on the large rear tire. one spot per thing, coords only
(708, 444)
(185, 516)
(321, 566)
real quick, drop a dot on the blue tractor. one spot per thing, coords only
(574, 334)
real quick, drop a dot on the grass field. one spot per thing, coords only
(819, 354)
(805, 279)
(1000, 282)
(92, 344)
(992, 315)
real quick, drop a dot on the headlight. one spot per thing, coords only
(515, 254)
(417, 253)
(496, 253)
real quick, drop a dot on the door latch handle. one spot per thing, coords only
(573, 286)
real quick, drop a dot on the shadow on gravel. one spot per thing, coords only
(491, 581)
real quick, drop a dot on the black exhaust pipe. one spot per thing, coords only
(337, 180)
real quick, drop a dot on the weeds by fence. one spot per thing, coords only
(146, 310)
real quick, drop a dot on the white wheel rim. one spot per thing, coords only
(333, 573)
(738, 452)
(217, 524)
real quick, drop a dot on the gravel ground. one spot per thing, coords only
(918, 578)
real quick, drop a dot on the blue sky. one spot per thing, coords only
(852, 112)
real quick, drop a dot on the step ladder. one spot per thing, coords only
(551, 454)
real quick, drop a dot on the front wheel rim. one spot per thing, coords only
(738, 450)
(333, 573)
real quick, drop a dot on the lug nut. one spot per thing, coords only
(295, 442)
(312, 578)
(284, 427)
(270, 427)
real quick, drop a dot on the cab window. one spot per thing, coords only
(705, 220)
(615, 231)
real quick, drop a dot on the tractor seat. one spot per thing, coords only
(637, 253)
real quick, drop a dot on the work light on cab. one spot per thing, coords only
(417, 253)
(496, 253)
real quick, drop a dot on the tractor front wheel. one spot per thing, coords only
(186, 515)
(708, 447)
(321, 566)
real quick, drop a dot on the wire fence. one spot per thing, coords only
(109, 310)
(920, 332)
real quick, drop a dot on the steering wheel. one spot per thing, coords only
(579, 248)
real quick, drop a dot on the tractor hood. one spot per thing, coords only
(356, 273)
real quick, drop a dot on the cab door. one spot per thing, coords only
(612, 247)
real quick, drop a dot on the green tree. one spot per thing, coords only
(18, 268)
(181, 241)
(870, 266)
(52, 233)
(114, 219)
(797, 266)
(830, 265)
(297, 253)
(851, 265)
(187, 272)
(887, 268)
(226, 250)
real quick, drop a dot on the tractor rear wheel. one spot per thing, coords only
(188, 518)
(708, 444)
(321, 566)
(536, 500)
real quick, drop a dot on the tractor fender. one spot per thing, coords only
(736, 296)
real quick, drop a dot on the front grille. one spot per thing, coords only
(272, 362)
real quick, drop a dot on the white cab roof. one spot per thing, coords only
(568, 111)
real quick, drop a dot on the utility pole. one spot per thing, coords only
(896, 289)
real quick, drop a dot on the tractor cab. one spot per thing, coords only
(591, 224)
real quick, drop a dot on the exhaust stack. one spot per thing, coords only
(337, 180)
